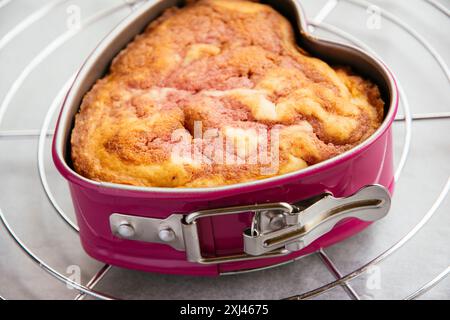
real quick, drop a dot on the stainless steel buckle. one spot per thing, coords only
(314, 218)
(277, 228)
(280, 228)
(192, 243)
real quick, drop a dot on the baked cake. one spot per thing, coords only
(216, 93)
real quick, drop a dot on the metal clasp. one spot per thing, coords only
(313, 218)
(192, 243)
(277, 229)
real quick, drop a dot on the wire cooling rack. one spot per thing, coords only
(331, 258)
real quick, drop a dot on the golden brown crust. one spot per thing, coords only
(234, 66)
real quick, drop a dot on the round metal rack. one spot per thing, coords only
(317, 23)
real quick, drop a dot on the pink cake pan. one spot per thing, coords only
(240, 227)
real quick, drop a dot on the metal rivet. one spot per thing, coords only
(277, 221)
(166, 235)
(126, 230)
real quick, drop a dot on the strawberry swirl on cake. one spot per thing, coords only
(216, 93)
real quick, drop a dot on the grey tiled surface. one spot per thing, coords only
(27, 209)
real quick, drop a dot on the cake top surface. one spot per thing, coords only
(217, 93)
